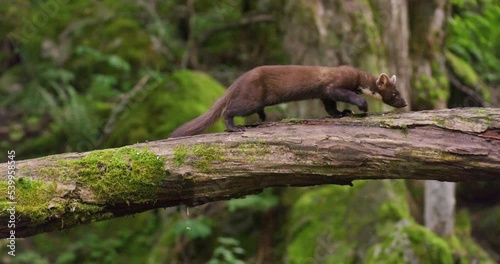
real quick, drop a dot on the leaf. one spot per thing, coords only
(193, 228)
(228, 241)
(260, 202)
(118, 63)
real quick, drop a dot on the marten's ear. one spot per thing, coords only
(382, 80)
(393, 79)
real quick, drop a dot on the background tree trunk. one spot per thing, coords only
(428, 29)
(395, 28)
(370, 35)
(377, 36)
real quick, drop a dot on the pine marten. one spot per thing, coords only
(269, 85)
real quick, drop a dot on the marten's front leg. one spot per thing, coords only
(331, 109)
(348, 96)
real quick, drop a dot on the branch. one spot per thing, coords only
(467, 90)
(108, 128)
(66, 190)
(262, 18)
(191, 54)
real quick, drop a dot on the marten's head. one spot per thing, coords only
(387, 89)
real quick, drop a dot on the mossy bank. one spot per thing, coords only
(327, 225)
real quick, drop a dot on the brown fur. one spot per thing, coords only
(198, 124)
(270, 85)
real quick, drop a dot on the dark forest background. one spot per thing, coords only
(84, 75)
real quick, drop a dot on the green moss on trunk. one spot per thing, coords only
(120, 175)
(112, 176)
(202, 156)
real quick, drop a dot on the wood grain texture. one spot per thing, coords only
(445, 145)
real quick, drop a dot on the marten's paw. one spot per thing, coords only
(363, 107)
(346, 112)
(335, 115)
(236, 129)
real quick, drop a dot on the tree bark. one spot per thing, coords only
(439, 207)
(446, 145)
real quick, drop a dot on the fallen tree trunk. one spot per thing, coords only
(62, 191)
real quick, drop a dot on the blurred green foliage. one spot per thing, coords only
(68, 66)
(474, 37)
(194, 228)
(336, 229)
(228, 252)
(71, 70)
(114, 241)
(262, 202)
(71, 79)
(167, 104)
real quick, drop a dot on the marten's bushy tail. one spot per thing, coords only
(202, 122)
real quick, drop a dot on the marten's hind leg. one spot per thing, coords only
(262, 115)
(242, 105)
(237, 110)
(230, 126)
